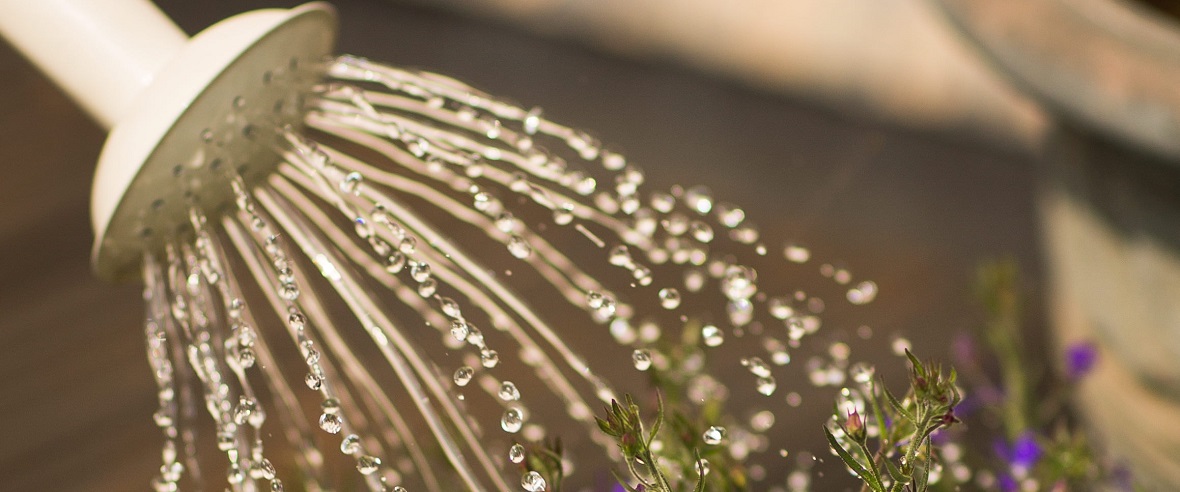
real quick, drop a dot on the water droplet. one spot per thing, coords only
(861, 372)
(508, 391)
(289, 291)
(310, 354)
(901, 345)
(427, 288)
(839, 351)
(450, 308)
(699, 198)
(489, 358)
(766, 385)
(351, 444)
(780, 307)
(314, 381)
(620, 256)
(459, 330)
(246, 357)
(563, 215)
(762, 421)
(714, 435)
(351, 183)
(863, 293)
(694, 280)
(533, 482)
(407, 245)
(739, 282)
(757, 366)
(519, 247)
(532, 121)
(669, 298)
(712, 335)
(394, 263)
(331, 423)
(463, 375)
(730, 215)
(420, 271)
(245, 408)
(701, 231)
(367, 465)
(506, 223)
(330, 405)
(796, 253)
(512, 420)
(516, 453)
(613, 161)
(594, 299)
(642, 359)
(264, 469)
(703, 467)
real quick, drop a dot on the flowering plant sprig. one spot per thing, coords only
(624, 423)
(1041, 446)
(904, 451)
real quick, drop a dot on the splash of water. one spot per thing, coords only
(366, 265)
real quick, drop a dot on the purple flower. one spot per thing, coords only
(1021, 454)
(1080, 358)
(1008, 484)
(1025, 451)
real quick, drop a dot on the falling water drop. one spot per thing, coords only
(699, 199)
(516, 453)
(463, 375)
(489, 358)
(563, 215)
(861, 372)
(420, 271)
(757, 366)
(519, 247)
(314, 381)
(508, 391)
(512, 420)
(714, 435)
(460, 330)
(331, 423)
(730, 215)
(900, 345)
(351, 183)
(642, 359)
(712, 335)
(796, 253)
(351, 444)
(367, 465)
(701, 231)
(669, 298)
(863, 293)
(766, 385)
(244, 409)
(533, 482)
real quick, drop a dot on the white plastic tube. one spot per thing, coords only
(103, 53)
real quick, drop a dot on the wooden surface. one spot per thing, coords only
(914, 212)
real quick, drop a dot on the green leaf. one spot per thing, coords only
(871, 480)
(604, 426)
(896, 404)
(919, 369)
(655, 426)
(700, 472)
(878, 415)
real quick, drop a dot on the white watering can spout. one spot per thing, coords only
(103, 53)
(165, 98)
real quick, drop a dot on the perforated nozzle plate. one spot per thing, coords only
(209, 116)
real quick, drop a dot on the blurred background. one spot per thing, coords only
(909, 139)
